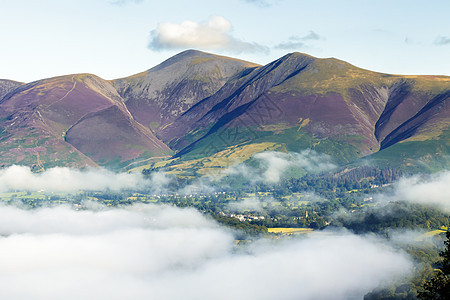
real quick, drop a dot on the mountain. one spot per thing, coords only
(210, 111)
(76, 120)
(7, 86)
(300, 102)
(160, 95)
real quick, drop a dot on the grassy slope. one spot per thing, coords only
(315, 80)
(416, 156)
(331, 75)
(215, 152)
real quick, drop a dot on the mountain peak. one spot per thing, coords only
(188, 54)
(195, 57)
(193, 52)
(7, 86)
(166, 91)
(197, 100)
(328, 60)
(299, 54)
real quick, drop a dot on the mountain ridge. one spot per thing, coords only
(355, 111)
(197, 104)
(45, 113)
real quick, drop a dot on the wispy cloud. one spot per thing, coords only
(298, 42)
(260, 3)
(404, 200)
(273, 165)
(62, 179)
(251, 204)
(311, 36)
(442, 40)
(214, 34)
(428, 190)
(123, 2)
(143, 251)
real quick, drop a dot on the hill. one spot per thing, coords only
(210, 111)
(7, 86)
(328, 105)
(158, 96)
(75, 120)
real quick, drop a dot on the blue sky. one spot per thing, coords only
(117, 38)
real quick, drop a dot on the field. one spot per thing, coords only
(289, 231)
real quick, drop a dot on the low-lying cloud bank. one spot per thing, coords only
(432, 190)
(420, 201)
(159, 252)
(62, 179)
(273, 165)
(267, 167)
(271, 168)
(265, 204)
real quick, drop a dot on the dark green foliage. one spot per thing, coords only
(346, 179)
(404, 292)
(382, 218)
(245, 229)
(438, 287)
(414, 157)
(445, 254)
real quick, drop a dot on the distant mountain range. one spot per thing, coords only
(198, 111)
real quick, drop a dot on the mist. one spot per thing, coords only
(404, 210)
(152, 251)
(273, 165)
(162, 252)
(431, 190)
(249, 204)
(62, 179)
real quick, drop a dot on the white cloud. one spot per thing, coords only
(271, 167)
(123, 2)
(158, 252)
(159, 182)
(406, 238)
(61, 179)
(251, 204)
(214, 34)
(311, 36)
(274, 165)
(299, 42)
(427, 190)
(432, 190)
(260, 3)
(442, 40)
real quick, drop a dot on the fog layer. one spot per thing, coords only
(61, 179)
(159, 252)
(432, 190)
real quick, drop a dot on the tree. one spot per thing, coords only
(438, 287)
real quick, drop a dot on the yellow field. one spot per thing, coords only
(214, 164)
(283, 230)
(434, 232)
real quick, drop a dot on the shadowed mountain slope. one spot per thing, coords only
(156, 97)
(7, 86)
(303, 102)
(198, 106)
